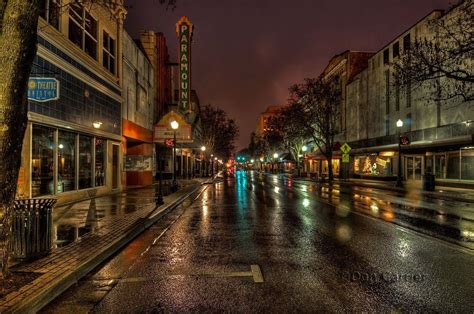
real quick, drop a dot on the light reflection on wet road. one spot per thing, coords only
(314, 256)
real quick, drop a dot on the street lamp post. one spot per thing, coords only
(203, 149)
(211, 163)
(275, 157)
(217, 166)
(159, 198)
(399, 174)
(174, 126)
(304, 149)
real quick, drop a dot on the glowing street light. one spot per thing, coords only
(174, 125)
(304, 148)
(399, 175)
(203, 148)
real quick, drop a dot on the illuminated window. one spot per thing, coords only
(100, 161)
(66, 161)
(83, 29)
(42, 161)
(85, 162)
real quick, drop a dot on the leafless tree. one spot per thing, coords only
(319, 100)
(441, 61)
(288, 127)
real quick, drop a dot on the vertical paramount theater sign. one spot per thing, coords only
(184, 29)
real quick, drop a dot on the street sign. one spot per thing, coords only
(345, 158)
(169, 142)
(345, 148)
(43, 89)
(404, 140)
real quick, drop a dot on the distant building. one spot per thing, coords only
(166, 77)
(345, 66)
(440, 132)
(262, 123)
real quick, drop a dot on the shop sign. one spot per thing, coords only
(381, 162)
(404, 140)
(43, 89)
(184, 30)
(345, 158)
(169, 142)
(163, 130)
(345, 148)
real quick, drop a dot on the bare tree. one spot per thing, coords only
(218, 131)
(319, 102)
(18, 30)
(442, 60)
(287, 124)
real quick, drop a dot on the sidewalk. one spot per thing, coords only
(87, 233)
(441, 192)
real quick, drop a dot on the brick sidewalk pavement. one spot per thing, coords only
(66, 265)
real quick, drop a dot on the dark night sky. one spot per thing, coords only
(246, 53)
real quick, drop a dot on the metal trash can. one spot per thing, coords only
(429, 182)
(31, 228)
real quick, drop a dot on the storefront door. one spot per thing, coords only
(413, 167)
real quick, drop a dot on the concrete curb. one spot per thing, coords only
(60, 285)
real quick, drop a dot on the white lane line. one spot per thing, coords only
(255, 272)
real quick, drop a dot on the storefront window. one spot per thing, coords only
(42, 161)
(453, 165)
(66, 161)
(440, 166)
(467, 164)
(85, 162)
(373, 165)
(99, 162)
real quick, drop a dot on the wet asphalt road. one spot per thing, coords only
(317, 249)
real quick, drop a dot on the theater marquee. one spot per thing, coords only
(184, 30)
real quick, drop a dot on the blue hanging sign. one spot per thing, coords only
(43, 89)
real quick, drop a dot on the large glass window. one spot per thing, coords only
(453, 165)
(83, 29)
(49, 11)
(108, 52)
(66, 161)
(373, 165)
(85, 162)
(440, 166)
(42, 161)
(467, 164)
(99, 162)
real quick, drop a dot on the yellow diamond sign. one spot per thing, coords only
(345, 148)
